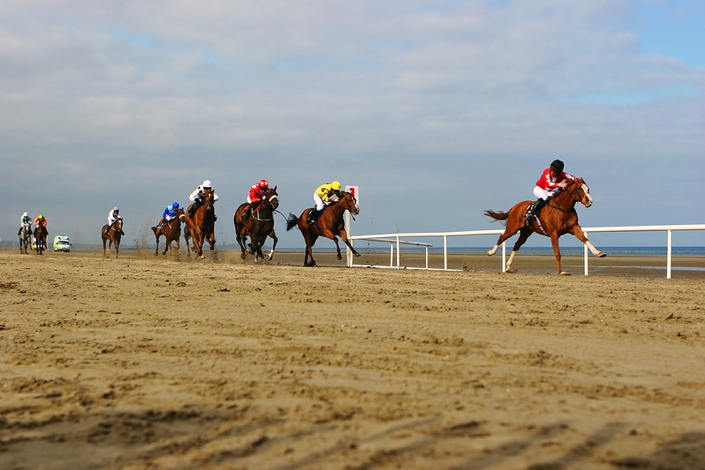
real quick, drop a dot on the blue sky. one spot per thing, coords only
(437, 110)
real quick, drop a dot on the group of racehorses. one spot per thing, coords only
(40, 238)
(259, 225)
(556, 218)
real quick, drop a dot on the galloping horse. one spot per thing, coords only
(328, 224)
(40, 238)
(556, 218)
(204, 222)
(25, 238)
(258, 226)
(171, 232)
(114, 234)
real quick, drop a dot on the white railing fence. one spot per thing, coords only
(396, 240)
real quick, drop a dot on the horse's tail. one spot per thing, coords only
(154, 229)
(497, 215)
(291, 222)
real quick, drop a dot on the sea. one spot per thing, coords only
(540, 250)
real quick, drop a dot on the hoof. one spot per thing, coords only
(601, 254)
(489, 253)
(357, 254)
(339, 256)
(243, 256)
(563, 273)
(269, 257)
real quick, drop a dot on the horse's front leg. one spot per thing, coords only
(344, 236)
(273, 236)
(580, 235)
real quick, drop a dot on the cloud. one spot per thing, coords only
(136, 102)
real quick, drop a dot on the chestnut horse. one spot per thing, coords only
(258, 226)
(328, 224)
(112, 235)
(204, 222)
(171, 232)
(556, 218)
(40, 238)
(25, 238)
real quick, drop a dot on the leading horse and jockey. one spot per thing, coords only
(557, 217)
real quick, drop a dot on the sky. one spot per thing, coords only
(437, 110)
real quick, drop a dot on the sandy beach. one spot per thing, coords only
(171, 362)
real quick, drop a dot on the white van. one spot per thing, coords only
(61, 243)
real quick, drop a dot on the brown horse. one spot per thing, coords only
(25, 238)
(40, 238)
(258, 226)
(111, 234)
(171, 232)
(556, 218)
(328, 224)
(204, 222)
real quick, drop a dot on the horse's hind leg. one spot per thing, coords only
(502, 238)
(524, 234)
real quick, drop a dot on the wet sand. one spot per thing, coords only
(172, 362)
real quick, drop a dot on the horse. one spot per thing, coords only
(111, 235)
(204, 222)
(40, 238)
(25, 238)
(328, 224)
(556, 218)
(258, 226)
(171, 232)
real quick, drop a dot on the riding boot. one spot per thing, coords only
(194, 206)
(533, 209)
(313, 213)
(246, 214)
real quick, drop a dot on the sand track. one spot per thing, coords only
(157, 363)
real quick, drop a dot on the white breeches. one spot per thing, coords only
(541, 193)
(319, 202)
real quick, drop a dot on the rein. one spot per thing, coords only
(566, 211)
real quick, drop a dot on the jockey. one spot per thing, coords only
(40, 220)
(254, 197)
(551, 181)
(170, 213)
(198, 194)
(24, 220)
(113, 215)
(322, 198)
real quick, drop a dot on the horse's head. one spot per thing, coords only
(347, 200)
(117, 225)
(272, 197)
(208, 196)
(579, 191)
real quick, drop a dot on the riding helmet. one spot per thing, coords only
(207, 184)
(557, 166)
(263, 184)
(175, 205)
(335, 185)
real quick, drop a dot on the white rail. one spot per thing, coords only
(395, 239)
